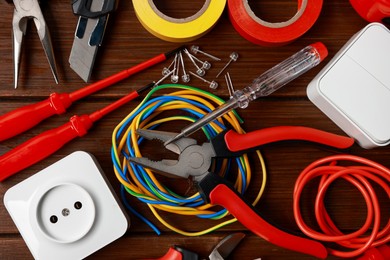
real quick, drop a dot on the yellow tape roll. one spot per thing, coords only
(178, 30)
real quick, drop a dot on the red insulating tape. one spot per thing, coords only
(372, 10)
(264, 33)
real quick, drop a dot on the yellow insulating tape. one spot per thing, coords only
(178, 30)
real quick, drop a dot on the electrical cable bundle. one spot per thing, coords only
(144, 185)
(361, 176)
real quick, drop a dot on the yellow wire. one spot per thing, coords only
(190, 234)
(147, 123)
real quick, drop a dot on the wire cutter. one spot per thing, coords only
(195, 160)
(221, 251)
(24, 11)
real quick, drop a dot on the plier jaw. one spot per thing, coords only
(23, 12)
(194, 160)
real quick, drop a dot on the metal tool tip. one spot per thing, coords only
(56, 78)
(177, 137)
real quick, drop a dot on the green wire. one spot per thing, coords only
(208, 95)
(179, 86)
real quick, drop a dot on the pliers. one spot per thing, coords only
(195, 160)
(220, 251)
(24, 11)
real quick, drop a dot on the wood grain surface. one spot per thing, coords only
(127, 43)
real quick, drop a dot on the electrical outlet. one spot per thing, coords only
(66, 213)
(68, 210)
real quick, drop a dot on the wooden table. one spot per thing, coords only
(127, 43)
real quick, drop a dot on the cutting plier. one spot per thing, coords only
(220, 252)
(195, 160)
(23, 12)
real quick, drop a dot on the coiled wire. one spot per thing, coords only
(361, 176)
(144, 185)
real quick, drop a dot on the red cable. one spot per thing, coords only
(360, 176)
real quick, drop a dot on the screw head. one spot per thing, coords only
(65, 212)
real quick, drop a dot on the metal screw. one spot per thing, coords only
(185, 77)
(176, 65)
(233, 57)
(199, 71)
(213, 84)
(65, 212)
(195, 50)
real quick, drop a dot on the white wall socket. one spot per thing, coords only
(68, 210)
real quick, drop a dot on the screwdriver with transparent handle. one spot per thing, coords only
(264, 85)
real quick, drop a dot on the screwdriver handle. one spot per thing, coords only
(42, 146)
(24, 118)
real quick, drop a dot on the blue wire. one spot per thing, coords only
(122, 174)
(140, 216)
(196, 204)
(242, 172)
(180, 201)
(157, 202)
(140, 172)
(216, 214)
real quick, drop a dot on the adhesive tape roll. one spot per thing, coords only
(265, 33)
(178, 30)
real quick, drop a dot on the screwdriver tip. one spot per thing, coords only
(177, 137)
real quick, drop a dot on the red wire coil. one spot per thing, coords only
(360, 176)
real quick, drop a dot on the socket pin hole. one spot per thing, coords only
(53, 219)
(78, 205)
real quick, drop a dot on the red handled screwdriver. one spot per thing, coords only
(24, 118)
(46, 143)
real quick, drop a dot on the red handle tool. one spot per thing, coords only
(24, 118)
(217, 191)
(377, 253)
(177, 253)
(195, 160)
(172, 254)
(45, 144)
(240, 142)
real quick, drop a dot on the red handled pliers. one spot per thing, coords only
(195, 160)
(221, 251)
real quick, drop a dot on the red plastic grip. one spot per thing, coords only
(239, 142)
(225, 197)
(372, 10)
(172, 254)
(42, 146)
(376, 253)
(22, 119)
